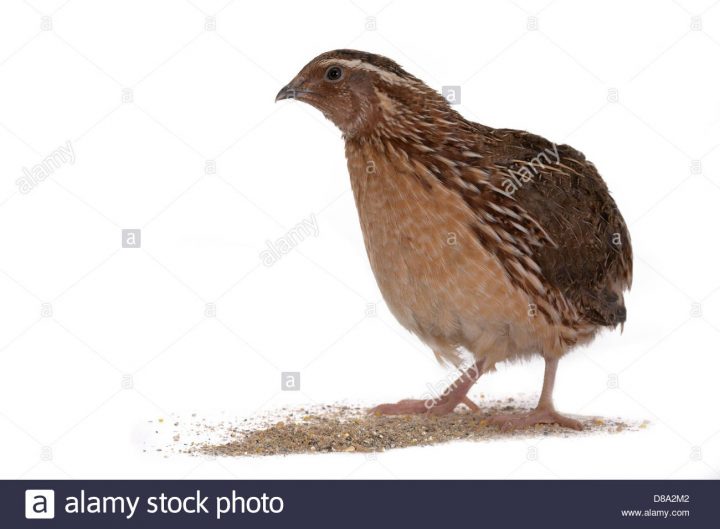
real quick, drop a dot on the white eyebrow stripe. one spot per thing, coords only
(390, 77)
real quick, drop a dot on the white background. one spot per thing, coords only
(634, 85)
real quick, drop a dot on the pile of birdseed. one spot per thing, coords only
(352, 429)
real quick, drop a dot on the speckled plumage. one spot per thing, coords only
(496, 241)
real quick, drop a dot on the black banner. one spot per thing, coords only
(366, 504)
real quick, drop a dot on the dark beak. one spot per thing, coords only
(295, 89)
(286, 92)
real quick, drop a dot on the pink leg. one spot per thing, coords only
(455, 394)
(544, 413)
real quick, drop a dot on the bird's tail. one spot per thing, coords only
(607, 309)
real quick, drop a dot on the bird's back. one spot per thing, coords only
(589, 255)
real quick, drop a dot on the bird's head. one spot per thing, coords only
(360, 92)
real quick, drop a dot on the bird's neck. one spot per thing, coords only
(430, 139)
(413, 119)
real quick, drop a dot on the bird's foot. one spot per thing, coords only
(446, 403)
(507, 422)
(433, 407)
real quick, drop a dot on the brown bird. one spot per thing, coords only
(495, 242)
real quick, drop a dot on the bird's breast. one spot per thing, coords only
(434, 275)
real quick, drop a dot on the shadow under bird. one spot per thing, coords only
(496, 242)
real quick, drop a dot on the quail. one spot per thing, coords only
(495, 243)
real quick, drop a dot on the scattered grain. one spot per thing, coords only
(351, 429)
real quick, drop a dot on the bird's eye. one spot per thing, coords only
(334, 73)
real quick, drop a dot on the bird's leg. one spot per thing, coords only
(544, 413)
(454, 394)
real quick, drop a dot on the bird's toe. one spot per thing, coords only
(507, 422)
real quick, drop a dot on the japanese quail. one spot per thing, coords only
(495, 242)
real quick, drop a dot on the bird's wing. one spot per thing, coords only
(569, 222)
